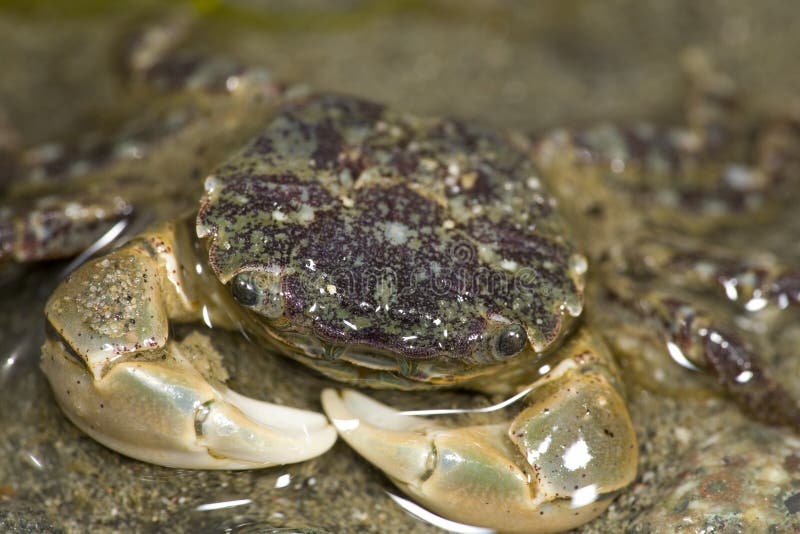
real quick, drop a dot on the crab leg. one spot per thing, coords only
(57, 227)
(121, 379)
(705, 175)
(555, 466)
(698, 339)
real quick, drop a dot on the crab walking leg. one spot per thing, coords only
(119, 378)
(697, 339)
(557, 465)
(751, 281)
(57, 227)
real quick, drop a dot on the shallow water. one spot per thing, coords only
(704, 465)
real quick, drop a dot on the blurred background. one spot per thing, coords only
(521, 64)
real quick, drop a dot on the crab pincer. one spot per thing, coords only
(120, 378)
(554, 466)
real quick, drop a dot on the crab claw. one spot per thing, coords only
(120, 377)
(165, 412)
(556, 466)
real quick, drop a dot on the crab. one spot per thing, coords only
(386, 250)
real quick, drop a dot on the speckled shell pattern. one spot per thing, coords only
(419, 239)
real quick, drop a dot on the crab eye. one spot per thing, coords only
(510, 341)
(244, 291)
(259, 291)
